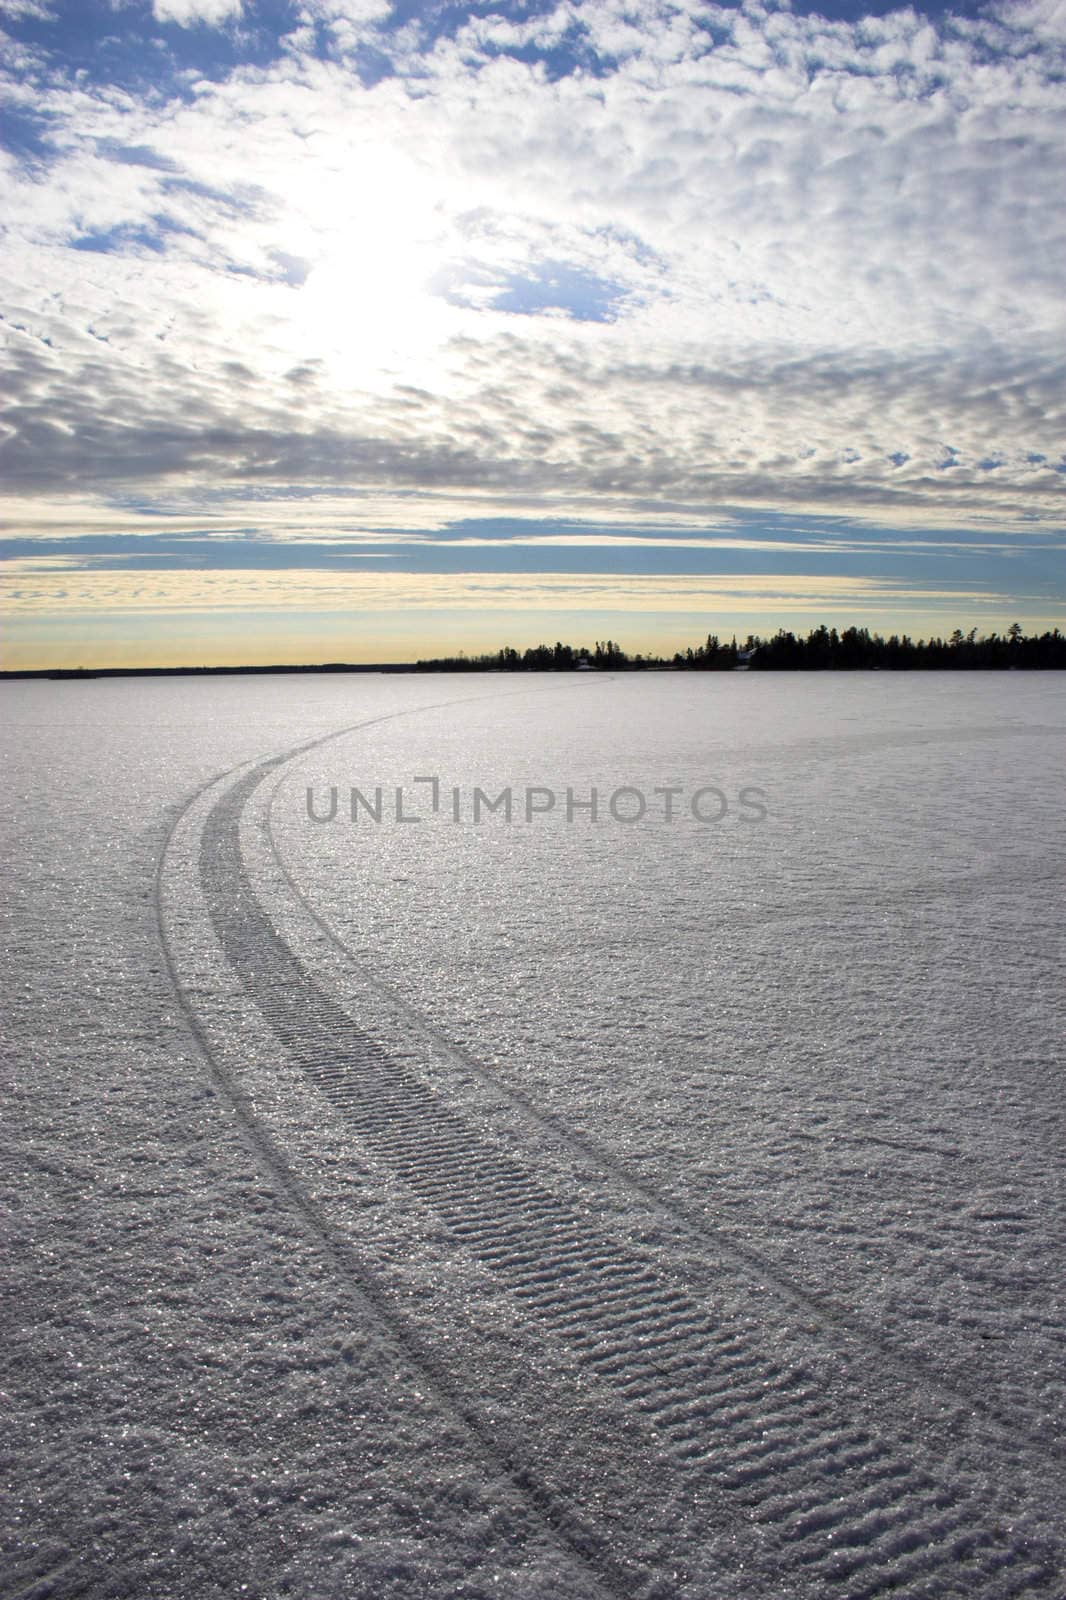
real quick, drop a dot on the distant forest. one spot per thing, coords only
(823, 650)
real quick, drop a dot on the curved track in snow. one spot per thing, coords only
(645, 1385)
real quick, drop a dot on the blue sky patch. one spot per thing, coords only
(550, 286)
(126, 45)
(129, 238)
(555, 286)
(26, 135)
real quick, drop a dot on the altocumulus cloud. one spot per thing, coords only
(39, 588)
(599, 261)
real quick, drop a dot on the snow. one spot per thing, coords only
(547, 1208)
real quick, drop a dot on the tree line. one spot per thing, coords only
(821, 650)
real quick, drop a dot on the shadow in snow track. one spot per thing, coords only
(895, 1360)
(828, 1496)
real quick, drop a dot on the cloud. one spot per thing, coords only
(611, 260)
(857, 432)
(188, 13)
(302, 590)
(1045, 19)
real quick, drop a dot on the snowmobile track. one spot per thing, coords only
(898, 1361)
(845, 1504)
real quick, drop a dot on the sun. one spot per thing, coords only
(375, 233)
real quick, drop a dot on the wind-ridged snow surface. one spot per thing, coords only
(665, 1201)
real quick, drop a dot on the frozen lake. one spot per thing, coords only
(426, 1179)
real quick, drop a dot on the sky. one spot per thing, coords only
(335, 330)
